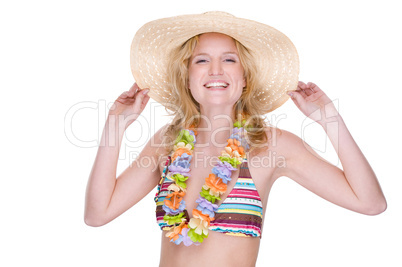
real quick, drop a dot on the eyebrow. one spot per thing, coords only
(206, 54)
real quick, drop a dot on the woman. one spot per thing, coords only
(219, 80)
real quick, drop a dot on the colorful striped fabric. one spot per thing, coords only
(240, 214)
(161, 195)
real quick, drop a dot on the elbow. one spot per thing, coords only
(94, 221)
(376, 209)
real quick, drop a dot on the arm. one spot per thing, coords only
(356, 187)
(106, 196)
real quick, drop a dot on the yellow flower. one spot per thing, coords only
(176, 231)
(200, 226)
(180, 149)
(182, 145)
(175, 188)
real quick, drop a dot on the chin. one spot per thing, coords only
(213, 103)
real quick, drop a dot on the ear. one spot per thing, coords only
(244, 82)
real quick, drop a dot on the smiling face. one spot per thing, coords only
(216, 75)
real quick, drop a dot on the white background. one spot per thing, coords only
(62, 62)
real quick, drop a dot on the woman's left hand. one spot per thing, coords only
(313, 102)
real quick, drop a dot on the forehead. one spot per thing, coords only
(215, 42)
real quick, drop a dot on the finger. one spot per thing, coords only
(139, 97)
(302, 85)
(297, 98)
(141, 91)
(130, 93)
(301, 91)
(307, 91)
(134, 88)
(124, 94)
(315, 96)
(313, 87)
(145, 101)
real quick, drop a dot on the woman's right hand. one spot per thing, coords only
(130, 104)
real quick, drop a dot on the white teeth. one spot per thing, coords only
(216, 84)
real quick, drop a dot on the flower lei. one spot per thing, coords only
(194, 231)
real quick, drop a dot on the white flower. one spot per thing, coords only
(200, 226)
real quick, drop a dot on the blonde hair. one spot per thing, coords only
(187, 110)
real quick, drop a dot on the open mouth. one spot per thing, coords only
(216, 85)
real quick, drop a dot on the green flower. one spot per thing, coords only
(185, 137)
(239, 124)
(180, 180)
(232, 161)
(205, 194)
(172, 220)
(248, 127)
(196, 237)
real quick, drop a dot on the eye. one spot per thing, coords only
(230, 60)
(200, 61)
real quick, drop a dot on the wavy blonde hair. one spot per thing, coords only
(187, 110)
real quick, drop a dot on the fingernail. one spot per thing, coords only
(145, 91)
(290, 93)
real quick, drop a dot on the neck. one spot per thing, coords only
(215, 127)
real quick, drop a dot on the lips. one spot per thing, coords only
(216, 84)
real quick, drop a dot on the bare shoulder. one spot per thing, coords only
(138, 179)
(283, 146)
(281, 140)
(271, 156)
(291, 149)
(148, 162)
(155, 148)
(267, 161)
(289, 144)
(154, 145)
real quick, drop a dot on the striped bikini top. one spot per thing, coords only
(240, 214)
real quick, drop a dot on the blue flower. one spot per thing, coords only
(186, 239)
(237, 130)
(181, 165)
(239, 135)
(170, 211)
(206, 207)
(224, 171)
(178, 240)
(179, 170)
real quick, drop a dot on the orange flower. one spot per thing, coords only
(235, 146)
(192, 128)
(173, 200)
(180, 151)
(176, 231)
(215, 184)
(199, 215)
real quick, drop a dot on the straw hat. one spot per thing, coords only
(276, 56)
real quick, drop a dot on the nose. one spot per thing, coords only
(215, 68)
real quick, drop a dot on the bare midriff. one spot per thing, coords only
(217, 250)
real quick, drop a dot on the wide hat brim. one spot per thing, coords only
(275, 55)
